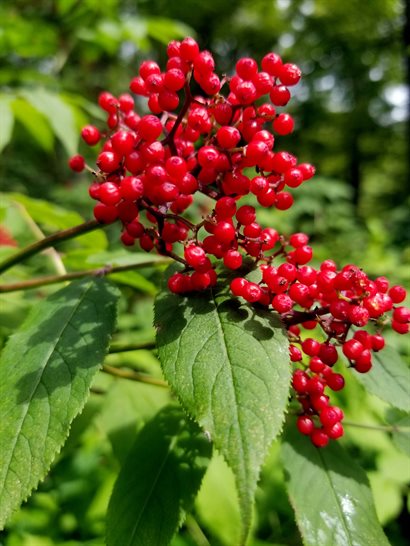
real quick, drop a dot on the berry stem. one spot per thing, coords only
(169, 139)
(49, 241)
(55, 279)
(296, 317)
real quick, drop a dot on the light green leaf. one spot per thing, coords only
(229, 365)
(135, 280)
(330, 494)
(46, 369)
(164, 30)
(34, 122)
(6, 121)
(59, 114)
(127, 407)
(54, 217)
(216, 503)
(158, 481)
(389, 379)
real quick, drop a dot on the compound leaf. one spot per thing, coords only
(46, 370)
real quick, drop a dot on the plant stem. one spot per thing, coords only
(117, 348)
(134, 376)
(381, 428)
(49, 241)
(54, 279)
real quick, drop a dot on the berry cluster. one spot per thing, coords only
(205, 135)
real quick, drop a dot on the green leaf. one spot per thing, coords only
(135, 280)
(165, 30)
(330, 494)
(216, 503)
(6, 121)
(229, 365)
(59, 114)
(34, 122)
(54, 217)
(158, 481)
(46, 369)
(401, 429)
(389, 379)
(127, 407)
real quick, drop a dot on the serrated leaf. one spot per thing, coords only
(59, 114)
(158, 481)
(34, 122)
(6, 121)
(229, 365)
(389, 379)
(46, 369)
(330, 494)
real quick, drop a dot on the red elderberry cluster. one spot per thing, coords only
(204, 135)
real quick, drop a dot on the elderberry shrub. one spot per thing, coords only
(150, 168)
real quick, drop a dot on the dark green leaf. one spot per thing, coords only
(330, 494)
(46, 369)
(158, 481)
(229, 365)
(389, 379)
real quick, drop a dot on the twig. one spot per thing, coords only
(49, 241)
(117, 348)
(134, 376)
(381, 428)
(54, 279)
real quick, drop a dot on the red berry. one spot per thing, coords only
(91, 135)
(305, 425)
(319, 437)
(233, 259)
(188, 49)
(352, 349)
(289, 74)
(77, 163)
(397, 294)
(283, 124)
(238, 286)
(105, 214)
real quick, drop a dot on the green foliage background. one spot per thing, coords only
(55, 57)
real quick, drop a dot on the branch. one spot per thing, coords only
(55, 279)
(381, 428)
(49, 241)
(118, 348)
(134, 376)
(297, 317)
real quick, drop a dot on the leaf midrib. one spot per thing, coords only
(152, 488)
(336, 497)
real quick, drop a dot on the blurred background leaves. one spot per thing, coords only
(351, 113)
